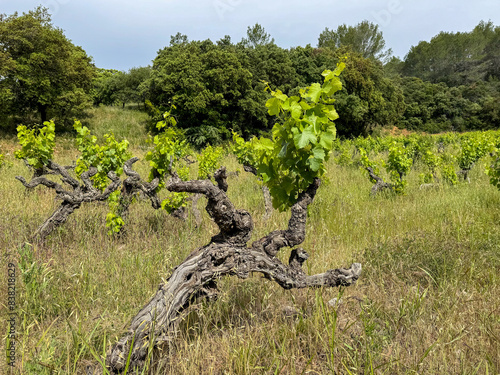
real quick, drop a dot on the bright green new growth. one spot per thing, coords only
(175, 201)
(398, 166)
(169, 148)
(431, 162)
(494, 170)
(114, 222)
(37, 144)
(208, 161)
(301, 140)
(367, 163)
(106, 158)
(473, 148)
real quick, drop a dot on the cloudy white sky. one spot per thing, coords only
(122, 34)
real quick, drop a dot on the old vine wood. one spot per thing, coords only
(72, 197)
(227, 254)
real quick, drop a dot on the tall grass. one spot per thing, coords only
(428, 301)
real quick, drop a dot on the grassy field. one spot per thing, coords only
(428, 301)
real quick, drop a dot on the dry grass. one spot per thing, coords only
(428, 301)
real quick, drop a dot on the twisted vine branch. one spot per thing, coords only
(227, 254)
(72, 197)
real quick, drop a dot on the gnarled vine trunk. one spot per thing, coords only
(72, 198)
(380, 184)
(227, 254)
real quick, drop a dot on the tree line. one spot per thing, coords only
(450, 83)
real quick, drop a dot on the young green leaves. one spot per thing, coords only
(302, 139)
(168, 149)
(398, 166)
(109, 157)
(208, 161)
(37, 145)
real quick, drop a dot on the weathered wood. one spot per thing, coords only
(72, 198)
(380, 184)
(227, 254)
(464, 173)
(195, 210)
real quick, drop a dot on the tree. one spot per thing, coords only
(6, 96)
(369, 97)
(364, 38)
(105, 86)
(257, 36)
(46, 74)
(455, 58)
(116, 87)
(94, 168)
(206, 83)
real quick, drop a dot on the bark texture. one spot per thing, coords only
(380, 184)
(227, 254)
(72, 197)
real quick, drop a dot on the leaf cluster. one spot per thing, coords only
(209, 161)
(169, 147)
(114, 222)
(302, 139)
(367, 163)
(37, 144)
(107, 157)
(398, 166)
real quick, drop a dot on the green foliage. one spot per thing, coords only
(175, 201)
(205, 82)
(301, 142)
(169, 148)
(106, 158)
(344, 152)
(113, 87)
(449, 174)
(113, 220)
(257, 36)
(367, 163)
(494, 171)
(364, 38)
(398, 166)
(45, 74)
(369, 99)
(37, 144)
(460, 58)
(244, 151)
(431, 163)
(473, 147)
(209, 161)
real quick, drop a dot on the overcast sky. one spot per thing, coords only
(122, 34)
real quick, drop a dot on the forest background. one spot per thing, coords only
(450, 83)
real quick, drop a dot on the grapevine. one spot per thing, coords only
(106, 158)
(398, 166)
(302, 139)
(37, 145)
